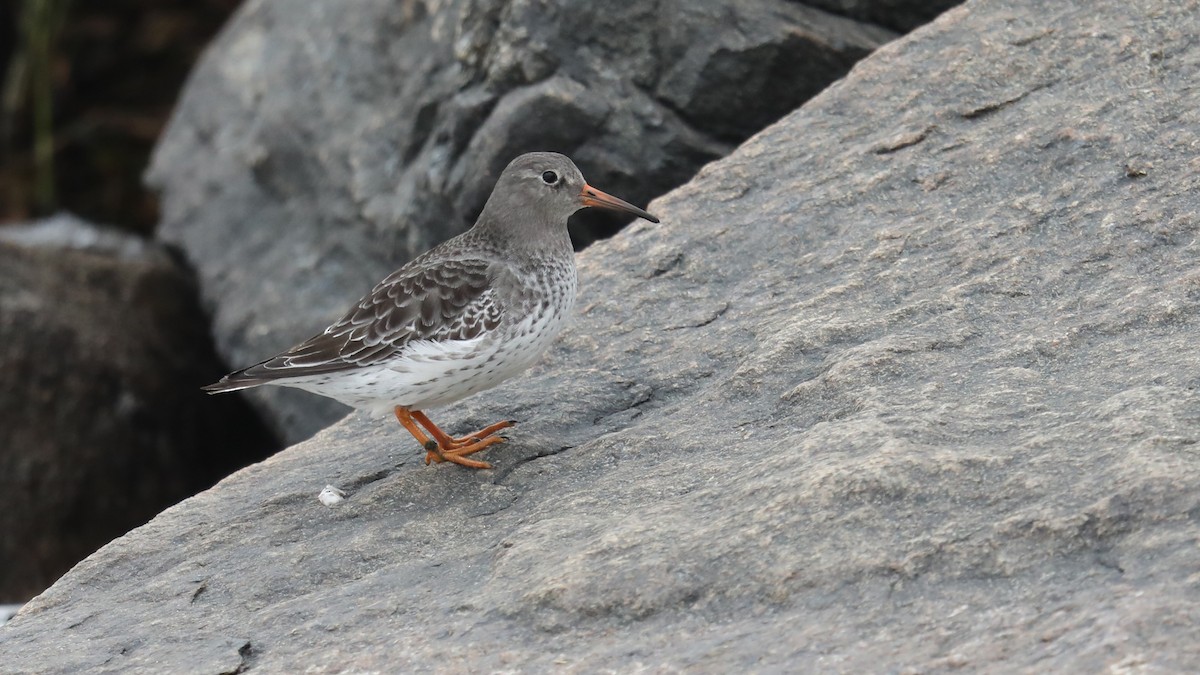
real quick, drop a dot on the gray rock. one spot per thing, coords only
(907, 383)
(317, 148)
(102, 346)
(66, 231)
(7, 612)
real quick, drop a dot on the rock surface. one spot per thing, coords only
(317, 149)
(102, 347)
(907, 383)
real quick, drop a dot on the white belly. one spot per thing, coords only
(436, 374)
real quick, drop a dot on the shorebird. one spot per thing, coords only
(461, 318)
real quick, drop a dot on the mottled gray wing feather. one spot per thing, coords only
(444, 300)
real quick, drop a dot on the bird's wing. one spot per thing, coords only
(442, 301)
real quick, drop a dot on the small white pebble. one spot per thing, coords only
(331, 495)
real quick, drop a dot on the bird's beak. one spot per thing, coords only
(593, 197)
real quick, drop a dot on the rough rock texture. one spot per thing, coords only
(905, 384)
(102, 346)
(316, 149)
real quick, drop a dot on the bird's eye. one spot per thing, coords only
(549, 178)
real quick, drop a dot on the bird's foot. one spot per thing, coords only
(484, 433)
(445, 448)
(441, 447)
(457, 454)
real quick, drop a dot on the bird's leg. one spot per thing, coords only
(406, 420)
(434, 450)
(449, 442)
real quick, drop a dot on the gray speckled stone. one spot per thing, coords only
(905, 384)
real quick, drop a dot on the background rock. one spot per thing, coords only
(899, 15)
(102, 346)
(907, 383)
(317, 149)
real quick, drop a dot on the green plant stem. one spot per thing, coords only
(43, 19)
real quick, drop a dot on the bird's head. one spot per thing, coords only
(547, 187)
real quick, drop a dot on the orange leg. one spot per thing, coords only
(445, 448)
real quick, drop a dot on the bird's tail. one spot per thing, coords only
(235, 382)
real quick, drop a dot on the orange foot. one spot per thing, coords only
(445, 448)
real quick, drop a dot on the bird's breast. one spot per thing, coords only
(538, 312)
(544, 291)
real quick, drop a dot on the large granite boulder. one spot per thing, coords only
(907, 383)
(102, 348)
(319, 146)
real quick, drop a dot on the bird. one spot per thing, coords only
(460, 318)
